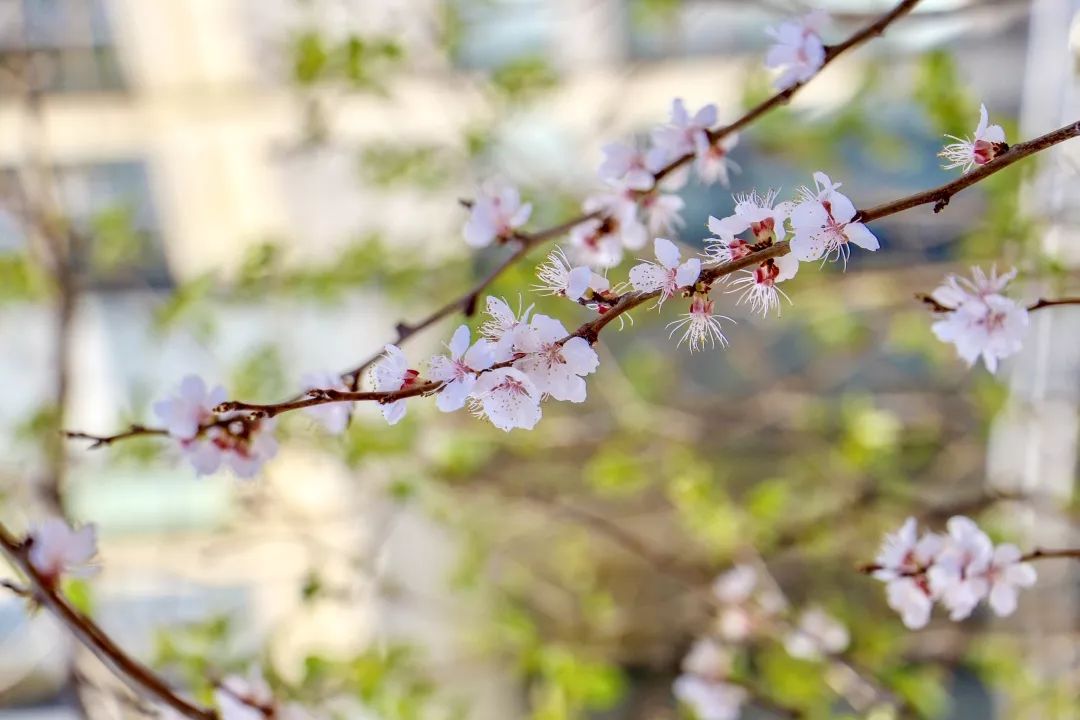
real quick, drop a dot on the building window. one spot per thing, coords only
(111, 206)
(66, 46)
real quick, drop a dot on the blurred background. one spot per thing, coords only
(264, 188)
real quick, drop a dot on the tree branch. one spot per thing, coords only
(525, 241)
(628, 301)
(95, 639)
(1036, 554)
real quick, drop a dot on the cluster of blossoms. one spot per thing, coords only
(958, 569)
(979, 319)
(518, 362)
(748, 608)
(210, 440)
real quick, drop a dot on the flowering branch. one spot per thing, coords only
(1036, 554)
(619, 305)
(939, 307)
(525, 241)
(43, 590)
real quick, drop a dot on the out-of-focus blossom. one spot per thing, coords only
(496, 212)
(798, 52)
(57, 549)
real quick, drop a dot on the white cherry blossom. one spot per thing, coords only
(987, 143)
(823, 224)
(680, 135)
(667, 275)
(508, 398)
(958, 575)
(816, 635)
(700, 326)
(981, 322)
(391, 373)
(710, 699)
(711, 159)
(736, 585)
(504, 328)
(1006, 574)
(496, 212)
(798, 52)
(555, 367)
(755, 212)
(628, 165)
(458, 370)
(57, 549)
(559, 277)
(757, 287)
(911, 598)
(903, 553)
(707, 659)
(191, 408)
(662, 212)
(332, 416)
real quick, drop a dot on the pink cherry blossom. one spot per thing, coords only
(392, 373)
(667, 275)
(627, 165)
(57, 549)
(987, 143)
(823, 224)
(508, 398)
(496, 212)
(757, 287)
(981, 322)
(559, 277)
(556, 368)
(190, 409)
(798, 52)
(458, 370)
(700, 326)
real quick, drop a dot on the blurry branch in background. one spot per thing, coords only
(623, 304)
(1039, 304)
(127, 668)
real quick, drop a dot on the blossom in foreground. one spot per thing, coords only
(798, 52)
(816, 635)
(185, 413)
(508, 398)
(559, 277)
(504, 328)
(458, 370)
(757, 287)
(959, 570)
(627, 165)
(392, 373)
(987, 143)
(332, 416)
(56, 549)
(823, 224)
(667, 275)
(555, 367)
(495, 214)
(981, 322)
(700, 326)
(709, 699)
(755, 212)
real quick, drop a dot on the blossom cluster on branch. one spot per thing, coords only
(958, 570)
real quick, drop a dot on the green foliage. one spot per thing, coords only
(21, 279)
(117, 243)
(356, 61)
(923, 688)
(702, 505)
(616, 470)
(941, 93)
(524, 78)
(392, 165)
(79, 594)
(260, 375)
(566, 685)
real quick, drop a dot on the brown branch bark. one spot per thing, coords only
(95, 639)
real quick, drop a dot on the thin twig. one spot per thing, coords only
(1036, 554)
(95, 639)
